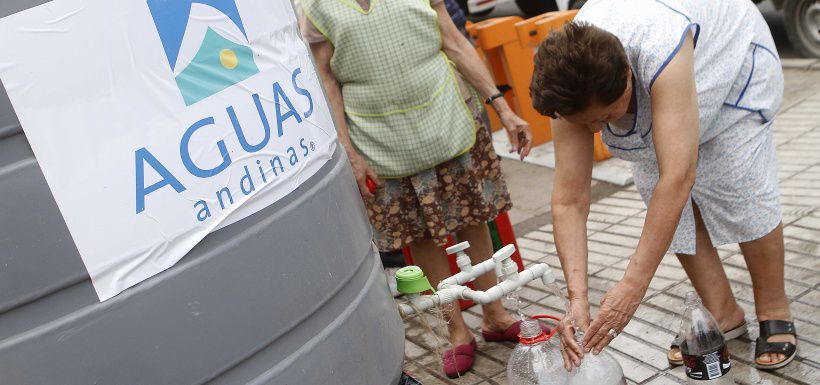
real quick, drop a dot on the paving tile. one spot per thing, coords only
(634, 203)
(413, 351)
(633, 369)
(593, 225)
(748, 375)
(609, 249)
(640, 350)
(627, 194)
(605, 218)
(539, 236)
(665, 380)
(812, 297)
(636, 222)
(630, 231)
(525, 243)
(615, 210)
(668, 320)
(659, 337)
(615, 239)
(487, 367)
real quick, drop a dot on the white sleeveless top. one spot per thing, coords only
(736, 64)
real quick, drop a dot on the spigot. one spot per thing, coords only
(548, 277)
(462, 259)
(503, 257)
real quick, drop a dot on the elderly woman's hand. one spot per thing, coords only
(518, 131)
(617, 308)
(362, 170)
(577, 317)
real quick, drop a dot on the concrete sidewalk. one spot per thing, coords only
(614, 227)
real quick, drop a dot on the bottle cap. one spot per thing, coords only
(692, 299)
(411, 280)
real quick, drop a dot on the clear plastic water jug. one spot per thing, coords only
(600, 369)
(535, 360)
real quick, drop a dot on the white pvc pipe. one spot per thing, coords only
(454, 292)
(480, 269)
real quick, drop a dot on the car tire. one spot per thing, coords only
(802, 19)
(577, 4)
(532, 8)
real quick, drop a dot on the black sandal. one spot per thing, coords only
(768, 329)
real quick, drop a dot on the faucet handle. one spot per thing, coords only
(505, 253)
(458, 248)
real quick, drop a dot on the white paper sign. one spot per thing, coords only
(157, 121)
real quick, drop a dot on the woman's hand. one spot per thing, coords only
(617, 308)
(576, 317)
(518, 131)
(362, 170)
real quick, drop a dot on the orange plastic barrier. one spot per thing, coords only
(511, 66)
(533, 31)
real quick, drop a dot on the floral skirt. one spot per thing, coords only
(464, 191)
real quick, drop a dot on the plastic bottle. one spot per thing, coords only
(535, 360)
(705, 355)
(600, 369)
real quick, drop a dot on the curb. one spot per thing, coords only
(800, 64)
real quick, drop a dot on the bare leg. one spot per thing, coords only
(495, 317)
(705, 271)
(432, 259)
(765, 259)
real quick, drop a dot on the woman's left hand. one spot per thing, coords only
(617, 308)
(519, 133)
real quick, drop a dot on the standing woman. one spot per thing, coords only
(686, 90)
(410, 124)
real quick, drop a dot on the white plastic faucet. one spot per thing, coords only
(462, 259)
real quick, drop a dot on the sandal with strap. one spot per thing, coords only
(727, 335)
(762, 345)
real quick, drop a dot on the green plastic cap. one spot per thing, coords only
(411, 280)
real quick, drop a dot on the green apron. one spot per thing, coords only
(403, 106)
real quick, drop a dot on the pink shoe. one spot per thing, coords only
(459, 359)
(511, 334)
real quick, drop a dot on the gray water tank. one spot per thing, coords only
(292, 295)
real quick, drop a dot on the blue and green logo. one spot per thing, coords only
(208, 49)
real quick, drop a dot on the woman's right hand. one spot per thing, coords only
(576, 317)
(362, 170)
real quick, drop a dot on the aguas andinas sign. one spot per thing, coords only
(156, 122)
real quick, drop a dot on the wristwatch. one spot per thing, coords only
(493, 97)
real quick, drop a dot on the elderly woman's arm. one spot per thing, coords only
(675, 135)
(322, 52)
(570, 210)
(461, 52)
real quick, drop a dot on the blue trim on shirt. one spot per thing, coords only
(759, 112)
(647, 132)
(635, 119)
(749, 80)
(767, 49)
(672, 55)
(627, 149)
(674, 10)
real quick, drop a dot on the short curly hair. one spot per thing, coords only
(576, 65)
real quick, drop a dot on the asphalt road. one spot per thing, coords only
(772, 16)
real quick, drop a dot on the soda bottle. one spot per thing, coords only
(535, 360)
(600, 369)
(705, 355)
